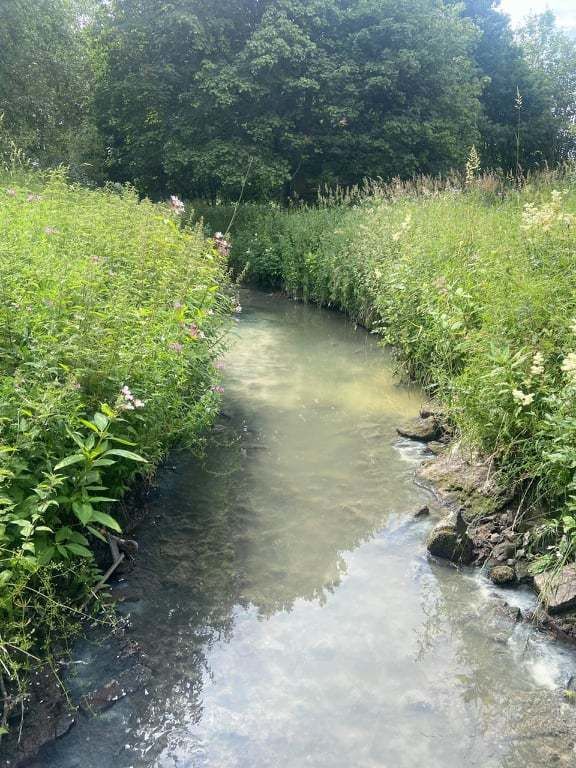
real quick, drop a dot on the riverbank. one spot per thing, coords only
(112, 319)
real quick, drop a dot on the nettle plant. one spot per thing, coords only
(49, 517)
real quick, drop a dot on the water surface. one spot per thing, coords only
(284, 600)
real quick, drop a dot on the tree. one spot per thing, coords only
(302, 91)
(45, 80)
(506, 74)
(551, 54)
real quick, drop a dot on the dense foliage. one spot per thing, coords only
(476, 291)
(47, 76)
(197, 96)
(111, 317)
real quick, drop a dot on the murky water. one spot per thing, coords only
(285, 602)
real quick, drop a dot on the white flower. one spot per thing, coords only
(537, 368)
(522, 398)
(569, 365)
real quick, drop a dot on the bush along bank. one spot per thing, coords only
(112, 318)
(474, 286)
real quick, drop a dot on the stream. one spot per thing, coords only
(284, 600)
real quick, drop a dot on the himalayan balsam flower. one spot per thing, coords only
(175, 346)
(176, 205)
(11, 192)
(130, 402)
(33, 198)
(217, 389)
(219, 365)
(50, 231)
(522, 398)
(223, 246)
(537, 368)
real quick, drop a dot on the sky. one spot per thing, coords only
(565, 10)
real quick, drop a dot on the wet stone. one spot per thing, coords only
(450, 541)
(423, 430)
(503, 575)
(558, 591)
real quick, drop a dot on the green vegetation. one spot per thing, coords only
(476, 291)
(111, 319)
(187, 96)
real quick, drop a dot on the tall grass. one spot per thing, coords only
(111, 319)
(475, 289)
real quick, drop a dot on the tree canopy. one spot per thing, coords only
(190, 95)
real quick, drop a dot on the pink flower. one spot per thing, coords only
(219, 365)
(139, 403)
(175, 346)
(11, 192)
(193, 331)
(33, 198)
(176, 205)
(127, 394)
(50, 231)
(218, 390)
(177, 305)
(95, 259)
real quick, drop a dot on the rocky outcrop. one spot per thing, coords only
(449, 540)
(424, 430)
(558, 590)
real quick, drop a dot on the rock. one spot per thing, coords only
(449, 540)
(436, 447)
(557, 590)
(423, 512)
(423, 430)
(495, 538)
(106, 696)
(523, 571)
(471, 485)
(502, 575)
(503, 552)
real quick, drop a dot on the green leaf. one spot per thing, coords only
(75, 458)
(90, 425)
(101, 421)
(46, 555)
(83, 512)
(103, 463)
(95, 532)
(107, 520)
(125, 455)
(5, 577)
(78, 549)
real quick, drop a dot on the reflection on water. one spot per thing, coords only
(285, 601)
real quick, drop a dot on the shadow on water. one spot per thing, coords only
(284, 601)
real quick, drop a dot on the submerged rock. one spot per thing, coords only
(424, 430)
(503, 575)
(449, 540)
(422, 512)
(557, 590)
(105, 697)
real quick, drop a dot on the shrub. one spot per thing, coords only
(111, 317)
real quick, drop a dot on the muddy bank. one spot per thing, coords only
(483, 525)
